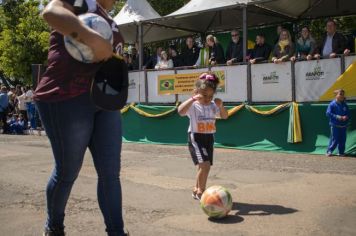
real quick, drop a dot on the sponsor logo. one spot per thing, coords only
(272, 78)
(316, 74)
(132, 84)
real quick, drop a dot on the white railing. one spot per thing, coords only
(301, 81)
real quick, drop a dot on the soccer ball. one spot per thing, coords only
(80, 51)
(216, 202)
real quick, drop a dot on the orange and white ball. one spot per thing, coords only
(216, 202)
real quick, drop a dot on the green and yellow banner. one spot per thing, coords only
(184, 83)
(346, 81)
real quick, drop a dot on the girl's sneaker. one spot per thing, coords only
(196, 196)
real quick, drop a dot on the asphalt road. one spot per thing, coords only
(273, 193)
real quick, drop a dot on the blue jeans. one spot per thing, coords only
(337, 139)
(72, 126)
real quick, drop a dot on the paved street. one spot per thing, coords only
(273, 193)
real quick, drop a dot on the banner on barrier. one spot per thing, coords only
(349, 60)
(134, 90)
(184, 83)
(271, 82)
(313, 78)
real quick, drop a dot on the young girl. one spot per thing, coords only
(202, 112)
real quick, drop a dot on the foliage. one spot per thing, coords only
(346, 25)
(117, 7)
(24, 38)
(165, 7)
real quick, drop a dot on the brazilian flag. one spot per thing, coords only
(167, 85)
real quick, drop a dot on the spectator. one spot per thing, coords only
(278, 31)
(234, 51)
(11, 91)
(216, 55)
(305, 46)
(284, 49)
(16, 124)
(173, 54)
(127, 60)
(133, 58)
(339, 116)
(4, 102)
(261, 51)
(164, 63)
(203, 59)
(190, 54)
(333, 42)
(30, 106)
(154, 59)
(21, 105)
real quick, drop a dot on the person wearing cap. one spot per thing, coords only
(73, 112)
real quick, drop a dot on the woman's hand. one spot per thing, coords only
(102, 48)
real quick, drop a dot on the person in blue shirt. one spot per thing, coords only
(339, 116)
(4, 102)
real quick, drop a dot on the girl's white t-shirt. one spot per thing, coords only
(202, 118)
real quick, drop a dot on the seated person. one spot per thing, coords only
(261, 51)
(173, 54)
(216, 55)
(305, 46)
(284, 49)
(164, 63)
(234, 51)
(333, 42)
(16, 123)
(154, 59)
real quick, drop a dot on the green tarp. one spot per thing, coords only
(243, 130)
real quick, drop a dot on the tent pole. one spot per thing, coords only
(244, 28)
(140, 45)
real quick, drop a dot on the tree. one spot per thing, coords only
(165, 7)
(23, 40)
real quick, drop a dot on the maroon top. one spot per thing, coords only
(66, 77)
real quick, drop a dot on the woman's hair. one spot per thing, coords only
(164, 53)
(306, 27)
(207, 80)
(210, 38)
(288, 33)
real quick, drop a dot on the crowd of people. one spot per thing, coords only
(18, 114)
(212, 53)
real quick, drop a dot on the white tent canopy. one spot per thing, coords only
(135, 11)
(139, 12)
(311, 8)
(213, 15)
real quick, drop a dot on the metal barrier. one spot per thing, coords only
(301, 81)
